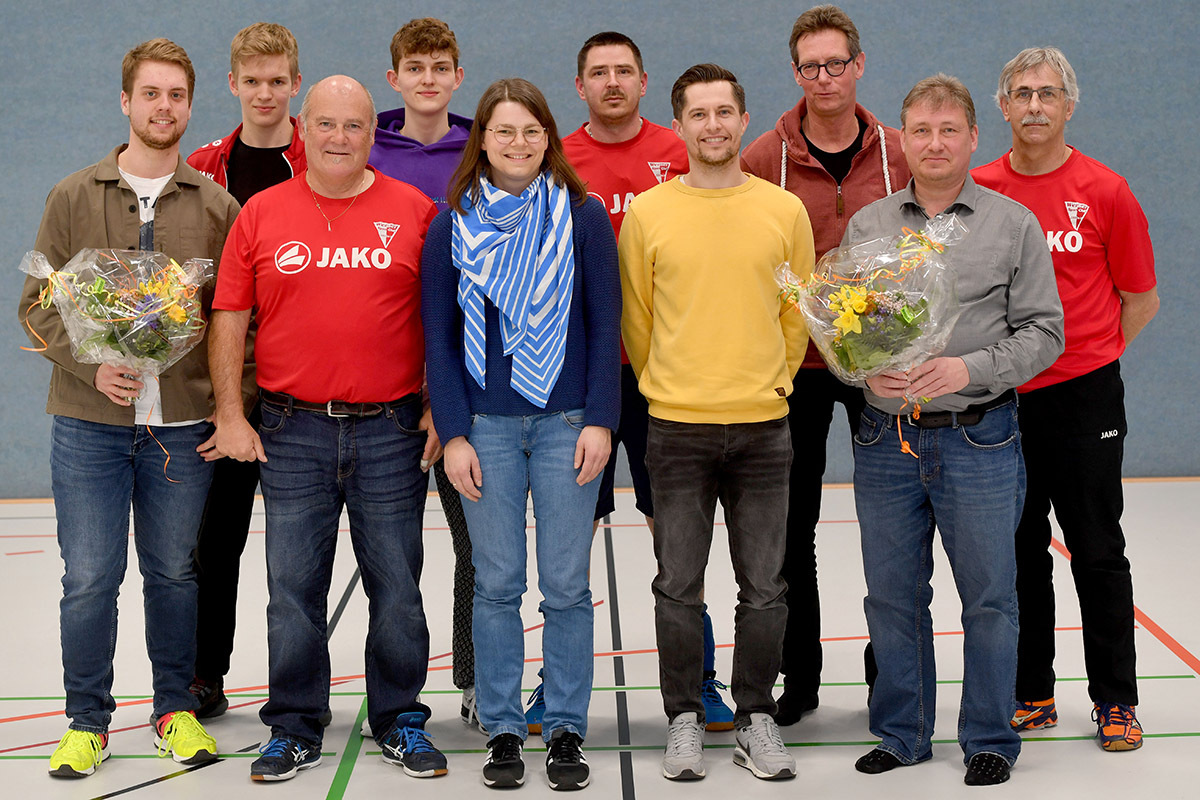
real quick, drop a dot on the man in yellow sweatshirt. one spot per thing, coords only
(714, 349)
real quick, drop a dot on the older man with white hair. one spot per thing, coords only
(329, 262)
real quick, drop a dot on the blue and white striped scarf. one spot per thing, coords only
(519, 253)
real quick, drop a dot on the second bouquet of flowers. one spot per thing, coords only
(885, 304)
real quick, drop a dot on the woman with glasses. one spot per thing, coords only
(521, 302)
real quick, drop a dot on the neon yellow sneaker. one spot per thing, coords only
(181, 734)
(78, 754)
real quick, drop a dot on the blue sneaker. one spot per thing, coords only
(407, 745)
(282, 758)
(717, 715)
(537, 708)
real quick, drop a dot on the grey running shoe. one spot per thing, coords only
(761, 750)
(684, 758)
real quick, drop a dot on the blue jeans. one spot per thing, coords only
(969, 482)
(745, 467)
(98, 471)
(316, 465)
(520, 456)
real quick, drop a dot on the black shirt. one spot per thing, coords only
(837, 164)
(252, 169)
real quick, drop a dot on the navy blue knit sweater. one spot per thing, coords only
(591, 373)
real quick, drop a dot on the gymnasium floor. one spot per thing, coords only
(627, 724)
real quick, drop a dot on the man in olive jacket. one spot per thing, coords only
(121, 438)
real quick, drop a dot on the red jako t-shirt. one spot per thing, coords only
(616, 173)
(1100, 242)
(338, 303)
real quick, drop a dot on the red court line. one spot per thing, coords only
(25, 552)
(1168, 641)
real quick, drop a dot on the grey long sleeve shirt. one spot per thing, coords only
(1011, 326)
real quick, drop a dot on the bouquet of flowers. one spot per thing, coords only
(131, 308)
(885, 304)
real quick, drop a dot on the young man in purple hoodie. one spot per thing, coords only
(421, 144)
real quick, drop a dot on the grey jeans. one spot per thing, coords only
(745, 467)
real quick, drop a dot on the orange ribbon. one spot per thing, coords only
(916, 414)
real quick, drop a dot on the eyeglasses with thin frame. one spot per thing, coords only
(531, 135)
(834, 67)
(1049, 95)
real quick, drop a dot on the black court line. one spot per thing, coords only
(158, 780)
(614, 617)
(341, 606)
(333, 621)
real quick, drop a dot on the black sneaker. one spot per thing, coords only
(211, 697)
(987, 769)
(794, 704)
(407, 745)
(566, 768)
(282, 758)
(504, 766)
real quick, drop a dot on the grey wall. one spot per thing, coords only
(60, 68)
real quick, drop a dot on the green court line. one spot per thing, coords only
(349, 756)
(864, 743)
(341, 779)
(233, 695)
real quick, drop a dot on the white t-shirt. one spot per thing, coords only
(147, 408)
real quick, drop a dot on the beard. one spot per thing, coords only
(156, 140)
(717, 160)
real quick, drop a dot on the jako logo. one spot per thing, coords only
(1071, 241)
(1109, 434)
(292, 257)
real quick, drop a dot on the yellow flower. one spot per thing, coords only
(848, 321)
(177, 314)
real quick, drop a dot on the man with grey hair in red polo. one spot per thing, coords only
(1073, 413)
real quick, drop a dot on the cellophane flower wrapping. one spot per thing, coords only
(882, 305)
(132, 308)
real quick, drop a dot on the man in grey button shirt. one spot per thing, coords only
(968, 476)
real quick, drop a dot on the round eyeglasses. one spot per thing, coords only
(834, 67)
(531, 135)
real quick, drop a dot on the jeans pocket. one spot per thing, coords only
(871, 427)
(407, 419)
(273, 417)
(573, 418)
(997, 430)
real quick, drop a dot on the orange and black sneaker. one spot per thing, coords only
(1030, 716)
(1117, 726)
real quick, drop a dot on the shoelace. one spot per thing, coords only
(181, 724)
(88, 744)
(709, 691)
(566, 748)
(279, 747)
(1114, 713)
(765, 735)
(505, 747)
(684, 738)
(410, 740)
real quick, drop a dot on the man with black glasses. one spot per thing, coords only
(835, 156)
(1072, 414)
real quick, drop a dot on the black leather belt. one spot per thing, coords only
(335, 408)
(972, 415)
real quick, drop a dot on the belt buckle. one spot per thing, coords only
(329, 410)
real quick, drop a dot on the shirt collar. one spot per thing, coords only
(968, 196)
